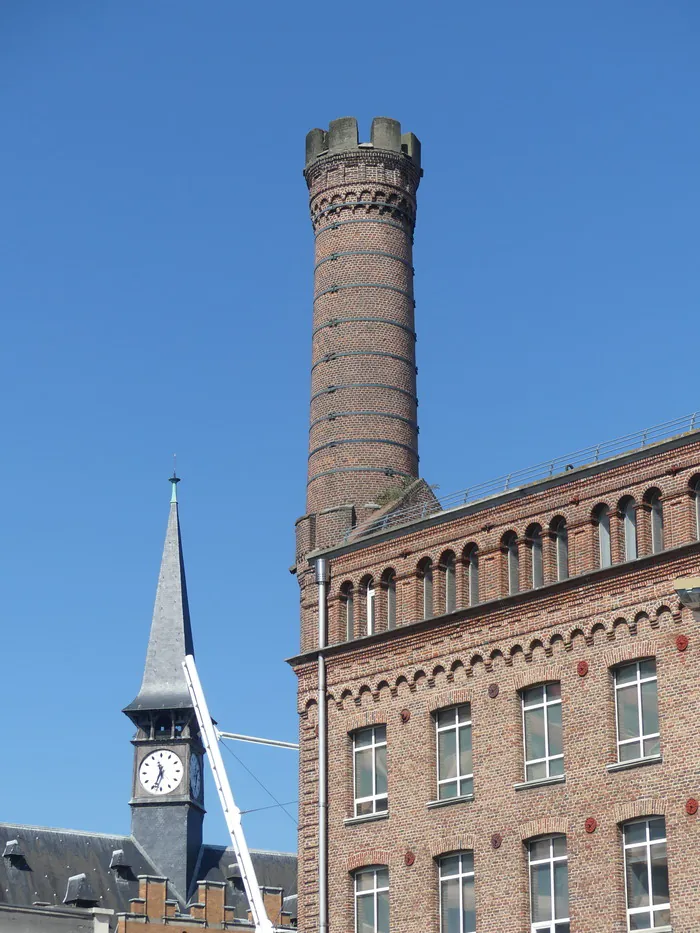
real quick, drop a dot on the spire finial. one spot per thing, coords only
(174, 479)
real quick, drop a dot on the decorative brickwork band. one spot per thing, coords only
(365, 857)
(629, 652)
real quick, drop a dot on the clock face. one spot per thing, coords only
(161, 772)
(195, 776)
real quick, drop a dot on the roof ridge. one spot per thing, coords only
(57, 829)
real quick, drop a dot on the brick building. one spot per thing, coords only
(497, 693)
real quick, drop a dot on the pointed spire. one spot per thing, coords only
(164, 685)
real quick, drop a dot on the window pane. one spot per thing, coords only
(380, 733)
(647, 668)
(447, 754)
(650, 709)
(469, 905)
(534, 733)
(466, 787)
(627, 713)
(363, 774)
(363, 809)
(449, 865)
(637, 878)
(382, 877)
(465, 750)
(365, 880)
(381, 769)
(657, 829)
(535, 772)
(533, 695)
(464, 713)
(626, 674)
(640, 921)
(539, 849)
(635, 832)
(556, 767)
(553, 691)
(383, 912)
(562, 928)
(381, 804)
(561, 890)
(450, 906)
(467, 861)
(363, 738)
(630, 752)
(554, 719)
(662, 918)
(541, 892)
(651, 747)
(659, 874)
(446, 717)
(559, 845)
(448, 790)
(365, 914)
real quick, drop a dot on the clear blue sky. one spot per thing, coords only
(156, 297)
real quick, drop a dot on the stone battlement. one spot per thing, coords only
(343, 136)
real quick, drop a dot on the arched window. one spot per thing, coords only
(471, 568)
(509, 543)
(457, 901)
(656, 519)
(347, 602)
(534, 537)
(370, 606)
(628, 511)
(601, 518)
(389, 585)
(561, 547)
(695, 492)
(447, 562)
(646, 874)
(425, 575)
(549, 885)
(372, 900)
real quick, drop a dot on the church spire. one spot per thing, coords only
(164, 685)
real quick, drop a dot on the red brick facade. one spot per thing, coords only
(573, 628)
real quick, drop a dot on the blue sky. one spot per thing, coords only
(156, 287)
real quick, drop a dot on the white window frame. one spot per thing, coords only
(458, 725)
(390, 586)
(460, 876)
(546, 926)
(647, 845)
(536, 558)
(544, 704)
(513, 566)
(561, 548)
(473, 573)
(656, 521)
(641, 738)
(348, 598)
(629, 522)
(372, 892)
(450, 584)
(427, 583)
(370, 606)
(374, 798)
(602, 518)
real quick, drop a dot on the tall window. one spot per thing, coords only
(369, 760)
(370, 605)
(542, 732)
(471, 558)
(602, 521)
(425, 573)
(389, 583)
(448, 565)
(561, 548)
(656, 517)
(457, 904)
(695, 489)
(510, 544)
(628, 509)
(454, 752)
(549, 885)
(347, 601)
(372, 900)
(637, 710)
(534, 535)
(646, 874)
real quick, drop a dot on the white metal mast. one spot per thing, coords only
(232, 814)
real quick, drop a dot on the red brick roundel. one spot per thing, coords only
(691, 806)
(409, 858)
(591, 824)
(493, 691)
(582, 668)
(496, 841)
(682, 642)
(405, 715)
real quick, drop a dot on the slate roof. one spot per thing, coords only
(49, 857)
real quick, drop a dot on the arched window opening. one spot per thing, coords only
(646, 874)
(510, 546)
(370, 606)
(457, 899)
(561, 548)
(448, 568)
(601, 517)
(347, 601)
(471, 563)
(628, 510)
(534, 536)
(549, 885)
(425, 574)
(656, 517)
(389, 584)
(695, 492)
(163, 727)
(372, 900)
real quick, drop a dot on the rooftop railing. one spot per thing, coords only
(541, 471)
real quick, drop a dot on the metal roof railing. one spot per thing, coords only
(541, 471)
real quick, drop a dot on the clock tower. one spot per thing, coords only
(167, 803)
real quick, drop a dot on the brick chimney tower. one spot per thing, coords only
(363, 438)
